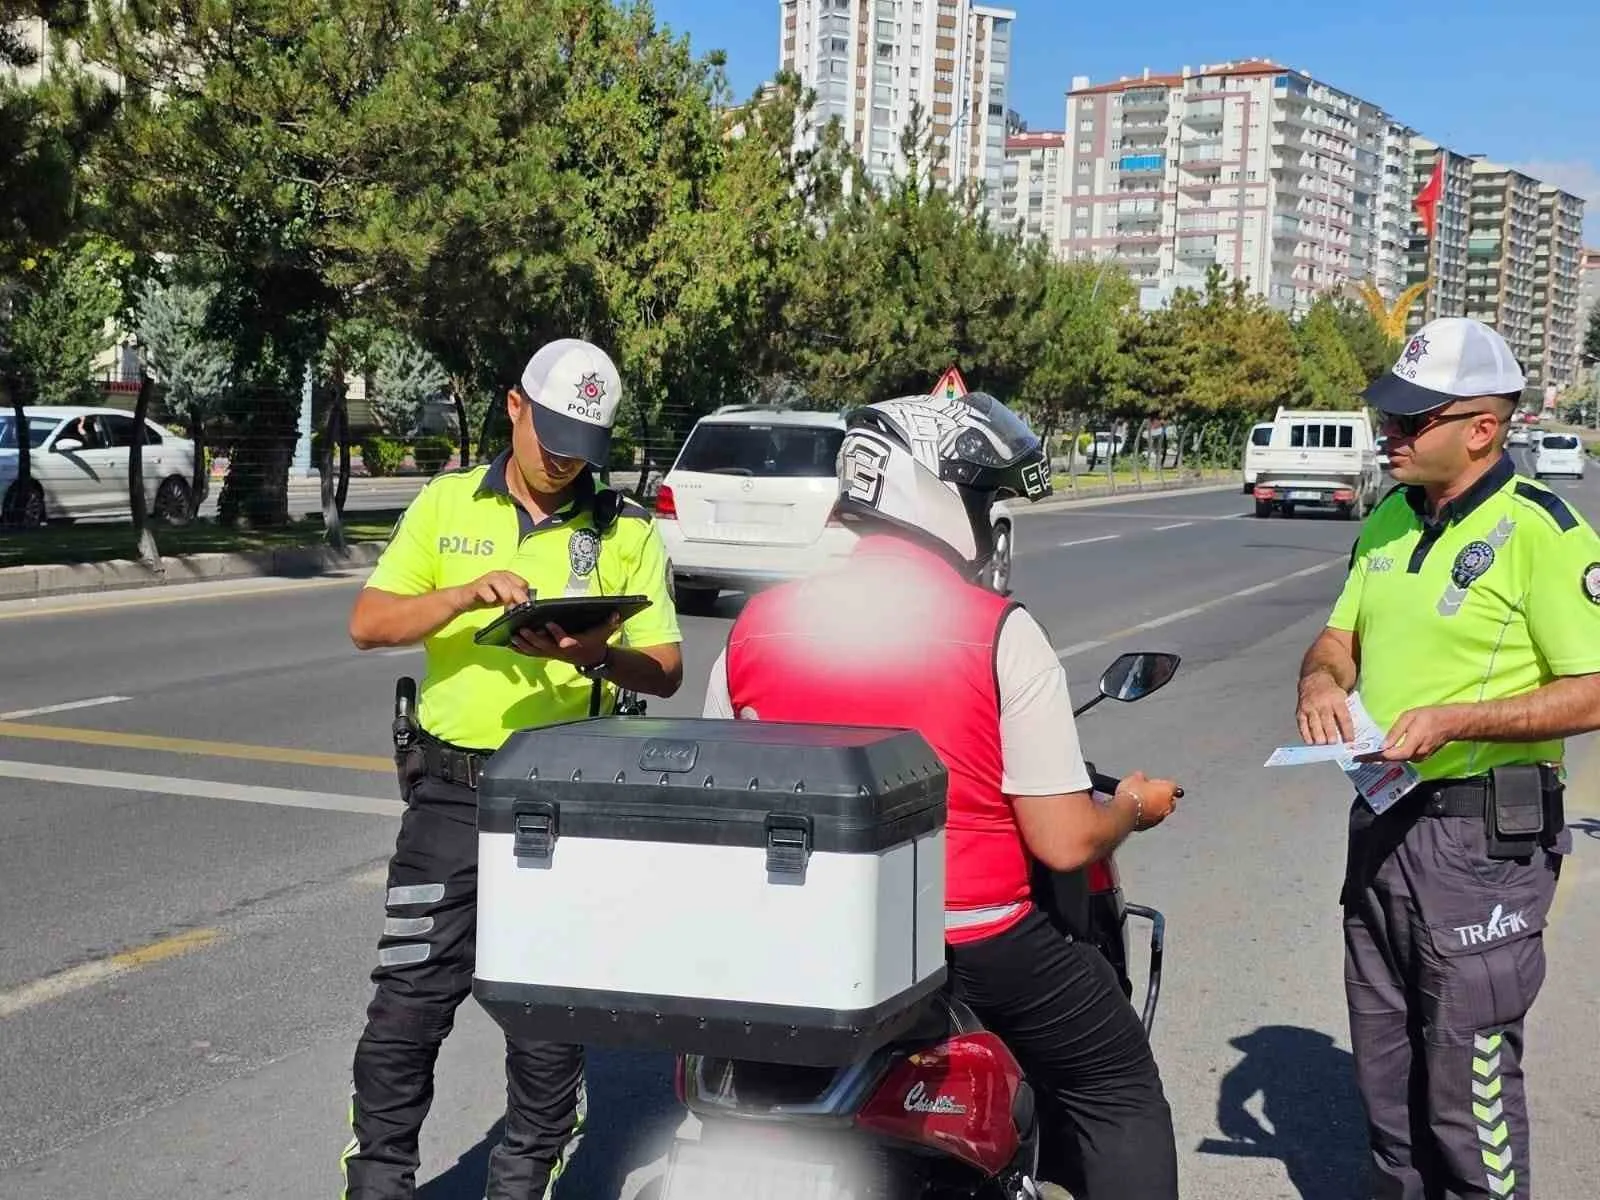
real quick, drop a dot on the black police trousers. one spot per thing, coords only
(1444, 956)
(424, 972)
(1106, 1126)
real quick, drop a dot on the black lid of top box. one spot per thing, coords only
(852, 789)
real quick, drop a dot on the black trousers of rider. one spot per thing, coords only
(1057, 1005)
(424, 972)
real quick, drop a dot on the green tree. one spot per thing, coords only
(405, 378)
(63, 321)
(1238, 358)
(182, 355)
(1591, 339)
(275, 141)
(43, 131)
(1075, 342)
(1330, 375)
(1374, 350)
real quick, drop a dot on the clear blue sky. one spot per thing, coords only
(1516, 80)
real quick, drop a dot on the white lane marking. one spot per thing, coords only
(1107, 537)
(1166, 516)
(143, 597)
(205, 789)
(1196, 609)
(1179, 525)
(69, 706)
(396, 653)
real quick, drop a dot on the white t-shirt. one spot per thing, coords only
(1038, 736)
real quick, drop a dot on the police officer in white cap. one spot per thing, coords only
(1470, 624)
(473, 542)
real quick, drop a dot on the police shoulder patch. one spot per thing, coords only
(1591, 582)
(1554, 506)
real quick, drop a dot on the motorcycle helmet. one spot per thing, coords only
(931, 467)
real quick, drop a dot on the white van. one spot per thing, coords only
(1559, 454)
(1319, 460)
(1260, 439)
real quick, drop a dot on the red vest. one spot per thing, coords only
(899, 639)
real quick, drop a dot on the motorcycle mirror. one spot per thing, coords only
(1134, 676)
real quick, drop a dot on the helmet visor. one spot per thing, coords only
(994, 435)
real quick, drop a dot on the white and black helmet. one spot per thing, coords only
(933, 466)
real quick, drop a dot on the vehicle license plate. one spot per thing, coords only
(1313, 496)
(751, 514)
(695, 1172)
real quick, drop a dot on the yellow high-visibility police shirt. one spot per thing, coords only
(1496, 596)
(465, 524)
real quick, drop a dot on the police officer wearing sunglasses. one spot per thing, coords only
(1470, 623)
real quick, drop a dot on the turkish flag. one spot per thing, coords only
(1428, 198)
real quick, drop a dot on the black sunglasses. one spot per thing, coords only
(1416, 424)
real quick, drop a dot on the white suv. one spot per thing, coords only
(1558, 454)
(749, 502)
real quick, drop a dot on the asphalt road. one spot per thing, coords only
(187, 919)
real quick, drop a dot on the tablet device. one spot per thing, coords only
(575, 614)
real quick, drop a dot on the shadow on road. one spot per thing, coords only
(1314, 1123)
(464, 1180)
(630, 1102)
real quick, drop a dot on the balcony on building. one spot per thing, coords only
(1135, 214)
(1145, 100)
(1194, 248)
(1201, 154)
(1205, 114)
(1142, 164)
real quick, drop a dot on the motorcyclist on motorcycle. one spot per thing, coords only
(901, 636)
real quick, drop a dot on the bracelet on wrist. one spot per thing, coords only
(597, 669)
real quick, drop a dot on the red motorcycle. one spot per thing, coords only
(945, 1111)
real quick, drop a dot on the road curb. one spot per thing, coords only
(1123, 496)
(292, 562)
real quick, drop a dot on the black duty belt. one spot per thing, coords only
(1454, 797)
(452, 764)
(1468, 797)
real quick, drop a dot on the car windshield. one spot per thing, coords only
(1261, 435)
(1560, 442)
(38, 430)
(794, 451)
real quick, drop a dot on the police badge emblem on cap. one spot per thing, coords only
(583, 552)
(1474, 559)
(1591, 582)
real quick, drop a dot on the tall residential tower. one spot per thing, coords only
(873, 61)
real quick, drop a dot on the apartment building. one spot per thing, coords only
(1505, 250)
(1588, 298)
(1502, 235)
(872, 62)
(1557, 263)
(1287, 183)
(1443, 257)
(1030, 194)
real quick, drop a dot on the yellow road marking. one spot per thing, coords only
(62, 983)
(161, 595)
(204, 749)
